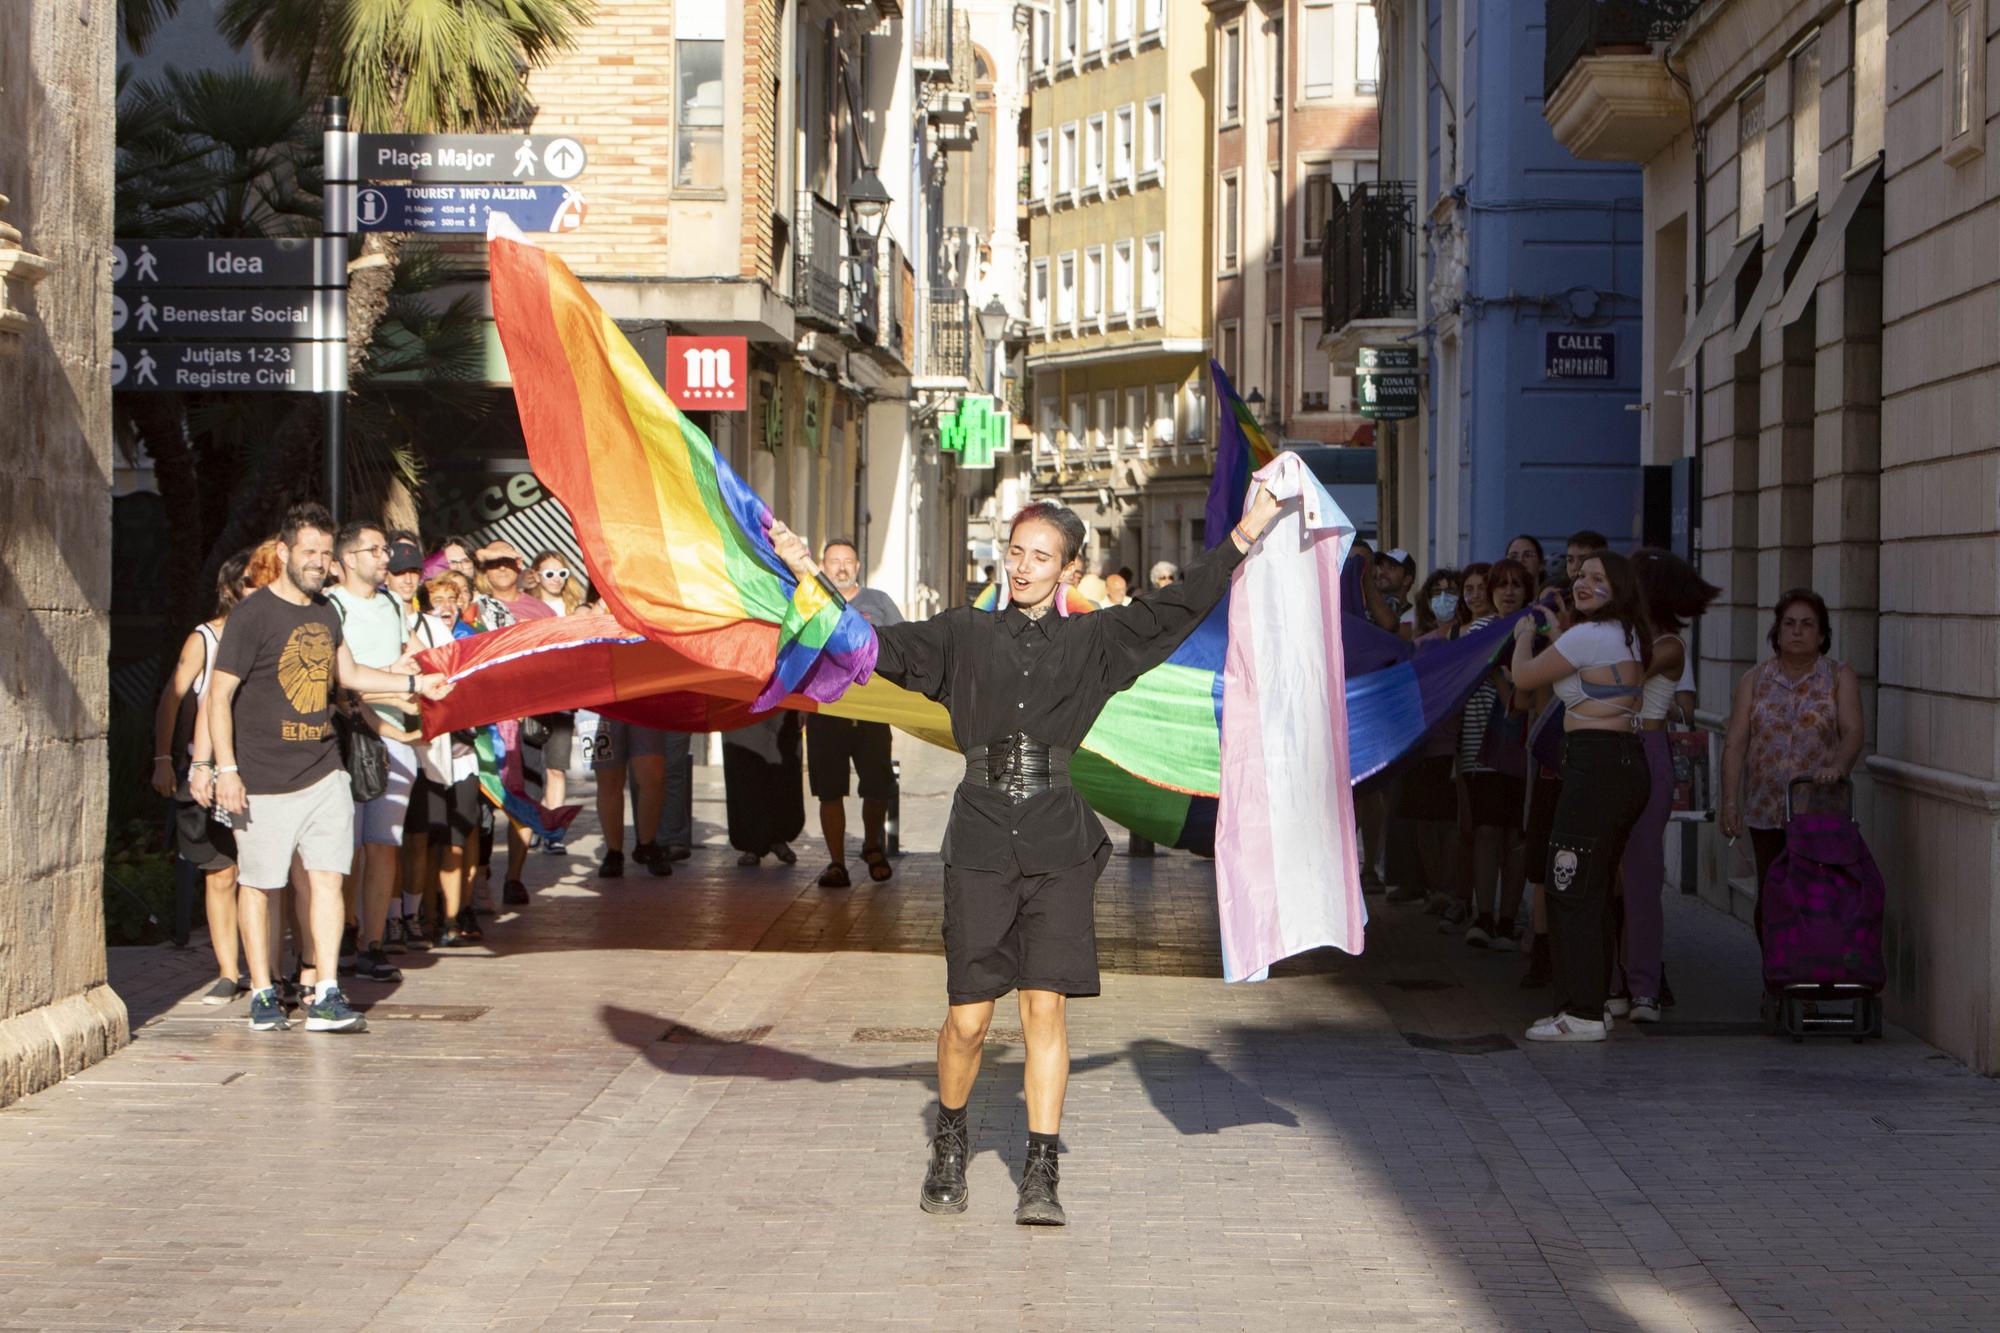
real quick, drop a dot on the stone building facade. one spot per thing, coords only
(56, 1012)
(1822, 282)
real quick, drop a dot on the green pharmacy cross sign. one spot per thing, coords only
(975, 432)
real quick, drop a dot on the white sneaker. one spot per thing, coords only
(1565, 1028)
(1618, 1006)
(1645, 1009)
(1476, 936)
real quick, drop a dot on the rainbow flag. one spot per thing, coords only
(678, 545)
(1240, 449)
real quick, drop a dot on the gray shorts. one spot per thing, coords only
(621, 742)
(316, 823)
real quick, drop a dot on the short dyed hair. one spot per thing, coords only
(1806, 597)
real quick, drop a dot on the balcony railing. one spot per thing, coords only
(933, 48)
(1368, 267)
(816, 224)
(952, 350)
(893, 276)
(865, 292)
(1580, 28)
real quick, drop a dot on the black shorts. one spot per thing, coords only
(562, 737)
(1495, 799)
(832, 743)
(1541, 818)
(450, 814)
(1007, 931)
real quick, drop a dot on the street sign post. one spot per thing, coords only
(256, 367)
(1387, 384)
(268, 316)
(311, 261)
(464, 208)
(470, 158)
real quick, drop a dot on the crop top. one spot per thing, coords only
(1596, 644)
(1659, 696)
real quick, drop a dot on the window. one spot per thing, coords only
(1066, 291)
(1315, 371)
(1229, 344)
(1101, 424)
(1274, 367)
(1041, 47)
(1228, 224)
(1121, 280)
(1093, 27)
(1121, 22)
(1038, 176)
(1805, 122)
(1274, 217)
(1152, 265)
(1274, 62)
(1163, 415)
(1152, 17)
(1315, 206)
(1964, 80)
(1045, 427)
(1038, 299)
(1867, 102)
(1066, 52)
(1154, 151)
(1750, 161)
(1316, 49)
(1078, 406)
(1121, 146)
(698, 35)
(1132, 422)
(1194, 429)
(1093, 285)
(1093, 153)
(1066, 164)
(1367, 51)
(1230, 62)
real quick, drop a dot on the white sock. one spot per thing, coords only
(320, 990)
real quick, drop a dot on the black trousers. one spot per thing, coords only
(1605, 786)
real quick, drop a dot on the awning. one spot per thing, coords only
(1773, 280)
(1721, 298)
(1832, 234)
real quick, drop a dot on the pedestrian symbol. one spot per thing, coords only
(371, 206)
(145, 366)
(148, 267)
(524, 158)
(563, 159)
(117, 367)
(149, 315)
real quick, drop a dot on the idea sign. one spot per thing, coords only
(709, 374)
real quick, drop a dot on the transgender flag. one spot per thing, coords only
(1287, 874)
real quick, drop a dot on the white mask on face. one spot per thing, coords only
(1444, 605)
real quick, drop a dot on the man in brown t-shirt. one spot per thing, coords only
(277, 762)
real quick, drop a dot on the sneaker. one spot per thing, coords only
(555, 846)
(266, 1014)
(454, 938)
(1645, 1009)
(680, 851)
(392, 937)
(1562, 1027)
(1437, 904)
(783, 851)
(1480, 933)
(747, 858)
(375, 966)
(415, 936)
(223, 991)
(332, 1013)
(515, 894)
(1618, 1006)
(613, 866)
(1458, 914)
(654, 857)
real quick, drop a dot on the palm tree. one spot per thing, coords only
(138, 20)
(409, 67)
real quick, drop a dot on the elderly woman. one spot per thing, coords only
(1795, 715)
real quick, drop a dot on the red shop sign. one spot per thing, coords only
(709, 374)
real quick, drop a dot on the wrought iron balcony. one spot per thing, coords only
(865, 292)
(933, 49)
(952, 349)
(1368, 268)
(1580, 28)
(816, 290)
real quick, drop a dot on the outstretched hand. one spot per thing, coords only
(792, 549)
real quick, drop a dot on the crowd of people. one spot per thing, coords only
(316, 631)
(1558, 849)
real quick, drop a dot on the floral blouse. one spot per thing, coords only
(1794, 729)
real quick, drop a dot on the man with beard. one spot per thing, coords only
(277, 764)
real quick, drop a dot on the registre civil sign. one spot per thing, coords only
(1580, 356)
(474, 158)
(318, 261)
(1387, 383)
(258, 367)
(464, 208)
(272, 315)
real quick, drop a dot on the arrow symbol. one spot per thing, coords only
(562, 157)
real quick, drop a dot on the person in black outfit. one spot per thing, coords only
(1022, 851)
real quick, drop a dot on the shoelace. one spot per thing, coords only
(954, 1138)
(1040, 1175)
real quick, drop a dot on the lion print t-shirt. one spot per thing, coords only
(284, 656)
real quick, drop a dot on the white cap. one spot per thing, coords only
(1400, 556)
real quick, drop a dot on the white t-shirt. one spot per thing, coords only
(1595, 643)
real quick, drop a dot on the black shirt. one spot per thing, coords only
(1049, 678)
(283, 654)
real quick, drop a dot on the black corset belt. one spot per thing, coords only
(1017, 765)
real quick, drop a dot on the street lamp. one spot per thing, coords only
(869, 204)
(993, 321)
(1255, 402)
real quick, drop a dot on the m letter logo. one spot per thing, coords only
(708, 374)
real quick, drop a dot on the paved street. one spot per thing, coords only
(702, 1101)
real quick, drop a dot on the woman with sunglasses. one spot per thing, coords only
(552, 586)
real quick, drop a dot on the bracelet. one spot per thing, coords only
(225, 768)
(201, 763)
(410, 685)
(1248, 540)
(158, 757)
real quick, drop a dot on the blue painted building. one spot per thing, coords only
(1516, 272)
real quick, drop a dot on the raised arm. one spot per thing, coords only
(915, 654)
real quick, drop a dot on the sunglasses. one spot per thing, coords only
(502, 563)
(555, 573)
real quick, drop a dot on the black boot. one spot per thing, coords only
(1537, 975)
(944, 1181)
(1039, 1206)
